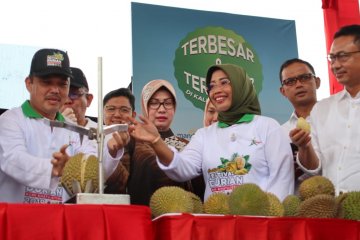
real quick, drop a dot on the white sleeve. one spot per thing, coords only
(15, 159)
(186, 164)
(280, 161)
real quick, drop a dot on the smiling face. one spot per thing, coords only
(163, 115)
(220, 91)
(346, 71)
(47, 94)
(301, 93)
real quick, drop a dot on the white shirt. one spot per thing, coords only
(26, 148)
(262, 141)
(336, 140)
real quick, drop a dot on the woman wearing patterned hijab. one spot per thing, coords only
(243, 147)
(158, 104)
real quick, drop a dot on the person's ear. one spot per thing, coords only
(89, 98)
(317, 82)
(282, 91)
(28, 82)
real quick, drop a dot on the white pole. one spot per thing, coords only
(100, 133)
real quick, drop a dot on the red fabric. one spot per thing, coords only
(189, 227)
(338, 13)
(74, 222)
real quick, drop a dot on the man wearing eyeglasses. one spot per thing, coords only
(298, 85)
(79, 99)
(333, 147)
(119, 104)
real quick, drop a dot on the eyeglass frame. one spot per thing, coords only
(210, 87)
(122, 109)
(340, 56)
(77, 95)
(300, 78)
(162, 103)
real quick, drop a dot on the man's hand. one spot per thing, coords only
(117, 142)
(59, 160)
(69, 114)
(300, 138)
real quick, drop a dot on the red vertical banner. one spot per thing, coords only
(338, 13)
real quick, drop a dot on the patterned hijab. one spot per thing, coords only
(150, 89)
(244, 98)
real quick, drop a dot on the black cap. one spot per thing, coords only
(78, 80)
(50, 61)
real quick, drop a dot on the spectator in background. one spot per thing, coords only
(333, 148)
(210, 113)
(119, 105)
(298, 84)
(79, 100)
(158, 103)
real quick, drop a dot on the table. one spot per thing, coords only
(212, 227)
(74, 222)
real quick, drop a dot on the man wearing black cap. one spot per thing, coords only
(79, 100)
(30, 160)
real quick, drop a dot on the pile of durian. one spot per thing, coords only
(316, 199)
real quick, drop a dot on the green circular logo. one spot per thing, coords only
(209, 46)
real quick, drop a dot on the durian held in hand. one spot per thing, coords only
(81, 174)
(303, 124)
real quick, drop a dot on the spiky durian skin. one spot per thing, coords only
(72, 171)
(217, 203)
(91, 172)
(249, 199)
(319, 206)
(291, 204)
(276, 207)
(197, 203)
(351, 206)
(170, 200)
(316, 185)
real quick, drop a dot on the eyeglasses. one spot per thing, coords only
(341, 56)
(302, 78)
(167, 103)
(223, 82)
(112, 109)
(76, 95)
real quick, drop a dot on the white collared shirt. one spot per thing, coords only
(336, 140)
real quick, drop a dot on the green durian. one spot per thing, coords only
(217, 203)
(291, 204)
(276, 207)
(319, 206)
(316, 185)
(249, 199)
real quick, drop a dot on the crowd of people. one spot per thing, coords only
(237, 144)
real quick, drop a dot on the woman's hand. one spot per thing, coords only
(143, 130)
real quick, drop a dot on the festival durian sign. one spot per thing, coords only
(179, 45)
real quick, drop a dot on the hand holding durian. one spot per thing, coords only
(300, 136)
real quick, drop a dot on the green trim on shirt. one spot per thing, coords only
(30, 112)
(246, 118)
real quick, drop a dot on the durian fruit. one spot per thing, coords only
(249, 199)
(276, 207)
(339, 201)
(80, 174)
(291, 204)
(351, 206)
(197, 203)
(170, 199)
(303, 124)
(316, 185)
(319, 206)
(217, 203)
